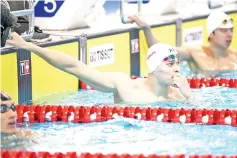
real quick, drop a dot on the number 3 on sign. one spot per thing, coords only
(52, 3)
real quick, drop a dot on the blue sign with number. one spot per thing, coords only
(136, 1)
(48, 8)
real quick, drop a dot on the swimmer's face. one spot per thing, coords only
(8, 117)
(222, 37)
(167, 70)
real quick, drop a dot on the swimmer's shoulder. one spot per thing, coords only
(138, 82)
(200, 50)
(233, 52)
(120, 76)
(195, 49)
(125, 81)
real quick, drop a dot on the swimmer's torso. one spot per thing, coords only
(10, 141)
(203, 62)
(134, 91)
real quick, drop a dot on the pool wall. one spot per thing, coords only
(26, 77)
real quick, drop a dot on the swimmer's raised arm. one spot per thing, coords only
(184, 52)
(96, 79)
(151, 40)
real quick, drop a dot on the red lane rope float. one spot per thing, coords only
(42, 154)
(86, 114)
(193, 82)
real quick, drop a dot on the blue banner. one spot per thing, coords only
(47, 8)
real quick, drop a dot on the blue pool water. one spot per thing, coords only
(132, 136)
(185, 71)
(123, 135)
(212, 97)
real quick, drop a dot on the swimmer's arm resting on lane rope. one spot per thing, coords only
(184, 52)
(95, 79)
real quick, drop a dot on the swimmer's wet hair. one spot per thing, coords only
(4, 96)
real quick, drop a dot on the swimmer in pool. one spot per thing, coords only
(212, 60)
(10, 135)
(162, 60)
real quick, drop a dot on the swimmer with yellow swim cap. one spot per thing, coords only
(212, 60)
(162, 60)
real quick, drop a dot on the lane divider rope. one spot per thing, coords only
(45, 154)
(87, 114)
(193, 82)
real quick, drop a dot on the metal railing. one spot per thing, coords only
(30, 13)
(139, 7)
(139, 11)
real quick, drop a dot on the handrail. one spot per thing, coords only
(139, 7)
(23, 12)
(27, 12)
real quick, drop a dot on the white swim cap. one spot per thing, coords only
(218, 19)
(157, 53)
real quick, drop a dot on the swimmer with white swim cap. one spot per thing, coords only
(212, 60)
(162, 61)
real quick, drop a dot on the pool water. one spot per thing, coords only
(185, 71)
(211, 97)
(123, 135)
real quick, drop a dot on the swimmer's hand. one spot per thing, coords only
(17, 41)
(181, 82)
(138, 21)
(32, 136)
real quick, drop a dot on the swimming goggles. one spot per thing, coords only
(172, 57)
(5, 108)
(227, 21)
